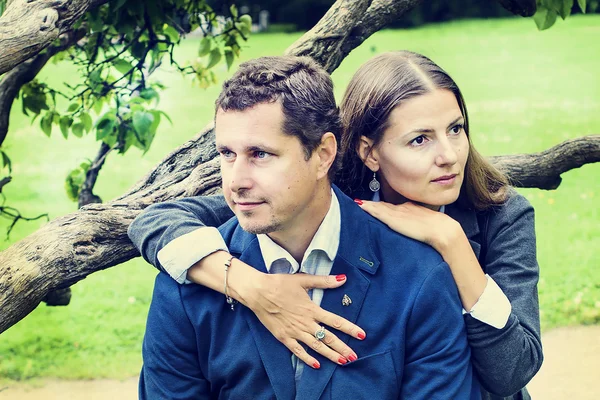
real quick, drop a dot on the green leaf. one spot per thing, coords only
(565, 9)
(214, 58)
(118, 4)
(105, 126)
(233, 10)
(544, 18)
(46, 123)
(229, 58)
(77, 129)
(35, 103)
(149, 94)
(122, 66)
(172, 34)
(205, 45)
(582, 5)
(65, 123)
(98, 105)
(245, 25)
(75, 180)
(6, 161)
(86, 121)
(166, 116)
(73, 107)
(142, 120)
(156, 114)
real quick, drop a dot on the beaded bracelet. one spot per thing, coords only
(230, 300)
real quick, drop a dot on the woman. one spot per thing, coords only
(405, 146)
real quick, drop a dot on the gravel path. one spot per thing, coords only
(571, 370)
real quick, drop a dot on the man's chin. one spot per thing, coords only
(256, 227)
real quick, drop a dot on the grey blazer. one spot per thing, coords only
(503, 239)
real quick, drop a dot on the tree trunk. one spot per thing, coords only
(69, 248)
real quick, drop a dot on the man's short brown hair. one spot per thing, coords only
(303, 88)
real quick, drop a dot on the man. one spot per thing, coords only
(276, 129)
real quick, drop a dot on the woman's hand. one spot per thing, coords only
(282, 305)
(415, 221)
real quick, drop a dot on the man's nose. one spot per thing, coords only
(240, 175)
(446, 153)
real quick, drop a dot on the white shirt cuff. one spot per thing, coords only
(181, 253)
(492, 307)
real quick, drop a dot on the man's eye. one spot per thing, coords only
(418, 141)
(226, 154)
(261, 154)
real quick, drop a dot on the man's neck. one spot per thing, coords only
(296, 239)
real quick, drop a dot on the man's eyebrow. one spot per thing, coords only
(221, 148)
(261, 147)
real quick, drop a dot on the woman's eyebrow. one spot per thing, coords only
(455, 121)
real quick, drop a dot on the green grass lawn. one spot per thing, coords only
(526, 91)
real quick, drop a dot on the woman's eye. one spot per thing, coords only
(456, 129)
(419, 140)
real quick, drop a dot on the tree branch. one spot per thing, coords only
(346, 25)
(13, 80)
(542, 170)
(29, 26)
(69, 248)
(86, 194)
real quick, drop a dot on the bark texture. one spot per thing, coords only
(93, 238)
(29, 26)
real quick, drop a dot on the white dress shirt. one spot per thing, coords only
(317, 260)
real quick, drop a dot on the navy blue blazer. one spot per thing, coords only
(402, 294)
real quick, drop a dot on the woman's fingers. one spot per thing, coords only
(340, 324)
(320, 281)
(298, 350)
(329, 347)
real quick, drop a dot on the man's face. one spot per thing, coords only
(267, 181)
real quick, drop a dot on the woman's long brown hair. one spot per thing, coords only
(380, 85)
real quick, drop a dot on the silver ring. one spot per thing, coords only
(320, 333)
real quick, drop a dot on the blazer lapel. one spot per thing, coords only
(313, 381)
(357, 261)
(276, 358)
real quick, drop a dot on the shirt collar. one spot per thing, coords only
(377, 197)
(326, 239)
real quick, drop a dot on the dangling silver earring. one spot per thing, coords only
(374, 184)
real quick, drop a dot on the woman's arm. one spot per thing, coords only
(175, 237)
(507, 356)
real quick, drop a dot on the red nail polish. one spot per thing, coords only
(358, 201)
(361, 335)
(342, 360)
(340, 277)
(352, 357)
(316, 365)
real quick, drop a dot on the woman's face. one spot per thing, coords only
(423, 152)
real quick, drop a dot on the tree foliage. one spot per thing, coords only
(120, 44)
(549, 10)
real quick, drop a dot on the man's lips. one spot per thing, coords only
(247, 205)
(445, 179)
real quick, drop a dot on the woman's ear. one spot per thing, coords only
(367, 153)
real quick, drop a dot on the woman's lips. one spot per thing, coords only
(445, 180)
